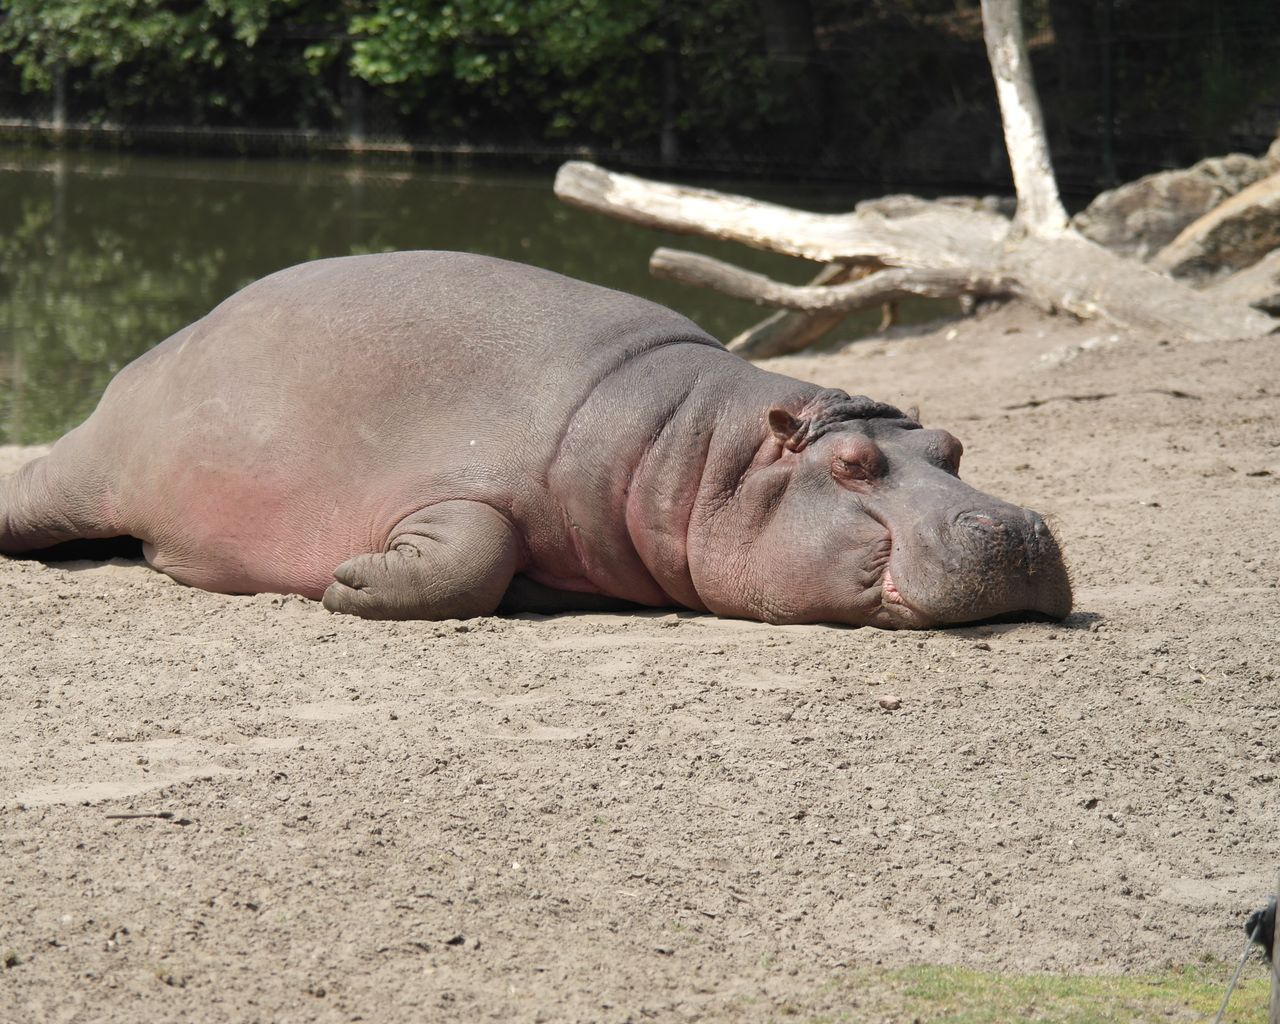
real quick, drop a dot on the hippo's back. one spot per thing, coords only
(362, 332)
(333, 398)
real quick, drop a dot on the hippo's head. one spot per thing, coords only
(854, 513)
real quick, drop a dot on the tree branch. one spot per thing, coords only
(888, 285)
(789, 331)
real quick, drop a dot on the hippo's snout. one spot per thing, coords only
(1010, 562)
(979, 563)
(1012, 539)
(992, 537)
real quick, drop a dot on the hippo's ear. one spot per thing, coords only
(823, 411)
(790, 432)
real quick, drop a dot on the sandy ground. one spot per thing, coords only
(669, 816)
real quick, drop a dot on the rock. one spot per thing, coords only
(889, 702)
(1234, 235)
(1257, 286)
(1142, 217)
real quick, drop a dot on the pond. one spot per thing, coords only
(101, 257)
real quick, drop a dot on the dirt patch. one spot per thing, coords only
(609, 818)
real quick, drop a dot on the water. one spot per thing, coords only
(102, 257)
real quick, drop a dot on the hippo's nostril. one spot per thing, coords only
(979, 521)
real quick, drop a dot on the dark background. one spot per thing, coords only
(892, 91)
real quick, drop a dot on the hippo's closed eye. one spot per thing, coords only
(857, 459)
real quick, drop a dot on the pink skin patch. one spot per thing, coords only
(252, 533)
(894, 610)
(889, 589)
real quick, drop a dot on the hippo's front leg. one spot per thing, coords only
(454, 560)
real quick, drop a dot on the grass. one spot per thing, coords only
(955, 995)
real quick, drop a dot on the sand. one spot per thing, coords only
(667, 815)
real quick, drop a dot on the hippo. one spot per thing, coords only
(432, 435)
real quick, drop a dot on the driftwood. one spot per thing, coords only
(787, 331)
(877, 289)
(909, 246)
(945, 243)
(880, 233)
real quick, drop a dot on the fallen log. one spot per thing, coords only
(946, 242)
(873, 234)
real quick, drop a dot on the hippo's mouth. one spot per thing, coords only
(889, 590)
(894, 610)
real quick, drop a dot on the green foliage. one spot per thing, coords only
(477, 42)
(877, 88)
(101, 36)
(561, 63)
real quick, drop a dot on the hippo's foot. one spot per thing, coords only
(454, 560)
(52, 500)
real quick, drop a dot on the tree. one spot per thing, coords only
(553, 66)
(100, 36)
(911, 246)
(232, 62)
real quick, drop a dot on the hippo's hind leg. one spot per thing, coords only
(454, 560)
(51, 500)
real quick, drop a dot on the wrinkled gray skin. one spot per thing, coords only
(404, 434)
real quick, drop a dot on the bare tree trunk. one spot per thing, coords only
(668, 139)
(351, 92)
(796, 71)
(788, 28)
(1039, 207)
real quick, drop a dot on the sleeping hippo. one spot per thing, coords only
(440, 435)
